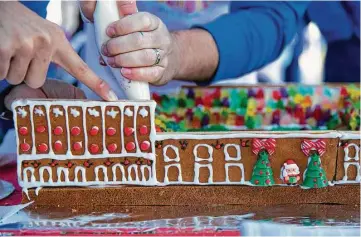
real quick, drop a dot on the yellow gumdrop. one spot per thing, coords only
(298, 99)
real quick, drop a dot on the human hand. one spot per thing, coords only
(143, 47)
(28, 45)
(52, 89)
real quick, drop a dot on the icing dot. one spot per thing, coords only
(126, 162)
(75, 131)
(58, 130)
(320, 174)
(130, 146)
(40, 129)
(111, 131)
(268, 181)
(58, 145)
(23, 131)
(256, 182)
(143, 130)
(144, 145)
(128, 131)
(42, 147)
(94, 131)
(94, 148)
(261, 172)
(112, 147)
(315, 180)
(25, 147)
(77, 146)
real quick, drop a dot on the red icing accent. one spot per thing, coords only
(144, 145)
(77, 146)
(58, 145)
(143, 130)
(23, 131)
(40, 129)
(111, 131)
(256, 182)
(94, 148)
(308, 145)
(128, 131)
(268, 181)
(43, 147)
(126, 162)
(75, 131)
(58, 130)
(94, 131)
(25, 147)
(130, 146)
(112, 147)
(69, 164)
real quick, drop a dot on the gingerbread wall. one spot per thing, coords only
(62, 143)
(172, 155)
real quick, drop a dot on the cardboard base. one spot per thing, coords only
(193, 195)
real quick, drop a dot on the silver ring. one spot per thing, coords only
(157, 53)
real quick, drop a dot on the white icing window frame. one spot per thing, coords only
(357, 152)
(166, 169)
(135, 167)
(167, 158)
(32, 175)
(105, 173)
(358, 176)
(41, 174)
(228, 157)
(114, 171)
(83, 174)
(197, 168)
(142, 171)
(239, 165)
(210, 152)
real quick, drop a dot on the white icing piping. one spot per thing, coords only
(135, 129)
(86, 152)
(68, 152)
(105, 150)
(33, 148)
(50, 146)
(122, 127)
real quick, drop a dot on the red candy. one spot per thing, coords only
(40, 129)
(143, 130)
(94, 131)
(144, 145)
(94, 148)
(58, 130)
(128, 131)
(25, 147)
(112, 147)
(130, 146)
(75, 131)
(58, 145)
(276, 95)
(111, 131)
(23, 131)
(77, 146)
(42, 147)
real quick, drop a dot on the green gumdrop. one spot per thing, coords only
(216, 103)
(190, 103)
(292, 91)
(279, 105)
(250, 123)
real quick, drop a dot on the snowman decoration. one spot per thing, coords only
(290, 172)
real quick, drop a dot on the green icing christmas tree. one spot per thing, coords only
(262, 174)
(315, 176)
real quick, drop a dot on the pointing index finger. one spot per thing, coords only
(68, 59)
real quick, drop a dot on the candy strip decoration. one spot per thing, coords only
(314, 176)
(267, 144)
(319, 145)
(262, 174)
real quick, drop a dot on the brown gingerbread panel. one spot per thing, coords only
(143, 129)
(113, 121)
(129, 130)
(24, 129)
(76, 129)
(59, 132)
(94, 130)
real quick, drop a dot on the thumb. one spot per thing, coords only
(127, 7)
(67, 58)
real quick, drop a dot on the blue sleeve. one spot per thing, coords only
(253, 34)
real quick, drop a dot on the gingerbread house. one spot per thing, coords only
(67, 143)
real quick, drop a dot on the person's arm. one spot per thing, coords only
(252, 35)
